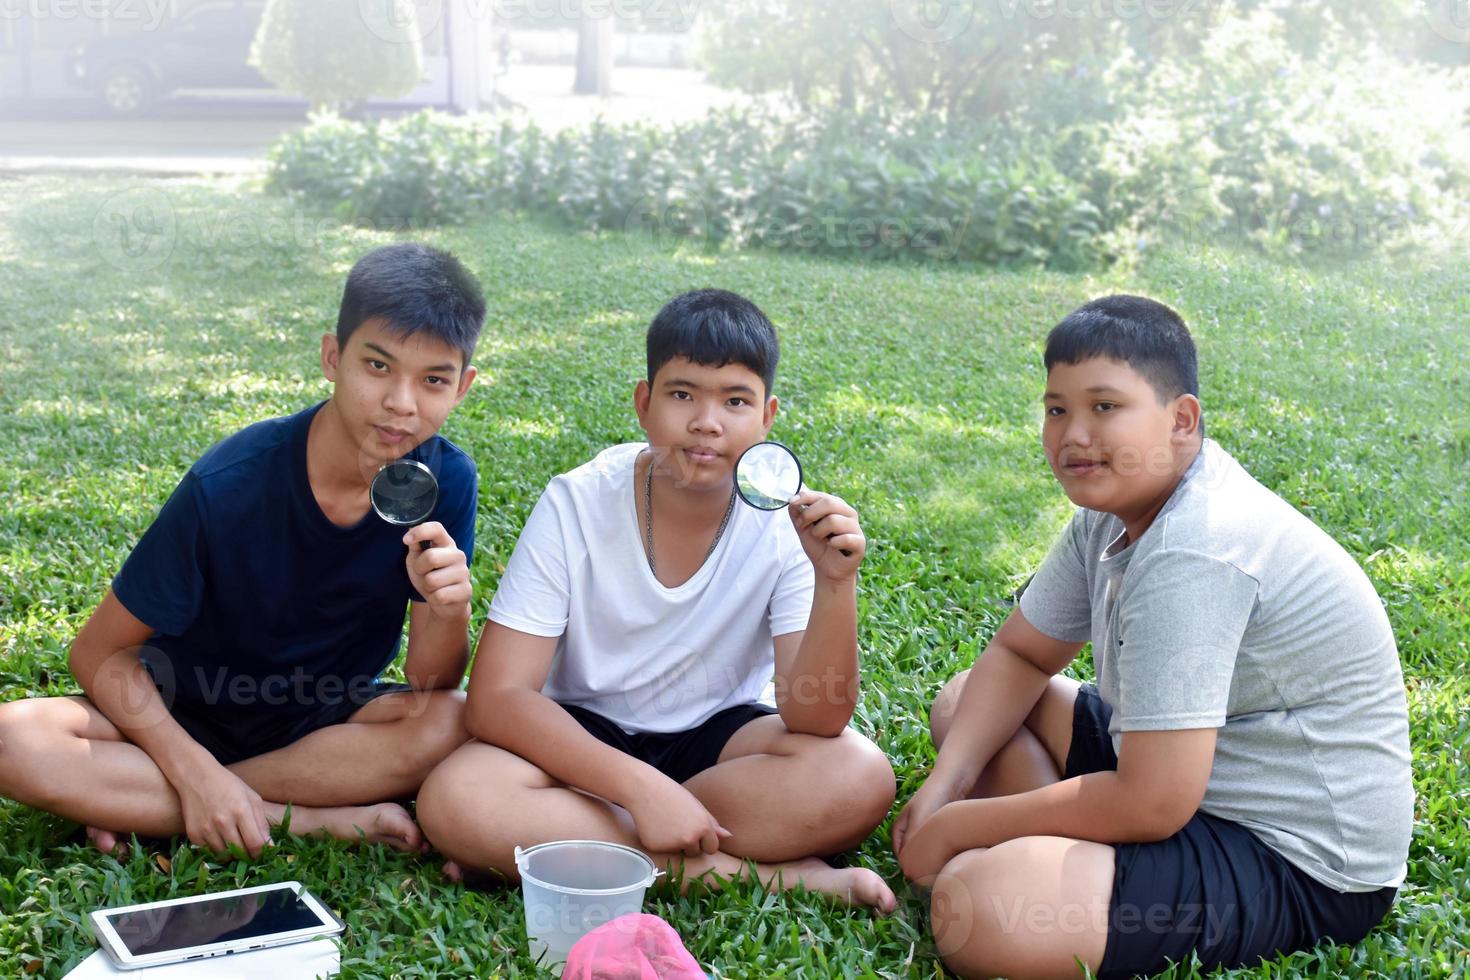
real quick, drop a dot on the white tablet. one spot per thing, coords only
(180, 929)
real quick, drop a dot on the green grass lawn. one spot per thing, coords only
(912, 391)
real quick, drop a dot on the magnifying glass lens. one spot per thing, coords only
(404, 492)
(768, 476)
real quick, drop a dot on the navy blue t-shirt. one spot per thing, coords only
(255, 597)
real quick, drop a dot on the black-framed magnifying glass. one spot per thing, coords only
(404, 493)
(768, 476)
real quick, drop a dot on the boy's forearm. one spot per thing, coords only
(821, 690)
(540, 731)
(438, 659)
(1001, 690)
(119, 686)
(1097, 806)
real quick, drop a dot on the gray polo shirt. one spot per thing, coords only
(1234, 611)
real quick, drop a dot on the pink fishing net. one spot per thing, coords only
(632, 947)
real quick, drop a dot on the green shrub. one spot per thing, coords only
(852, 185)
(337, 52)
(1246, 142)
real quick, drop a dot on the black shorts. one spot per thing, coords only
(678, 755)
(1213, 889)
(233, 733)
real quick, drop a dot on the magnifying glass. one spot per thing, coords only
(768, 477)
(404, 493)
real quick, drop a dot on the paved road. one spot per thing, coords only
(181, 137)
(199, 135)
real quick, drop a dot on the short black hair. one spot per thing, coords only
(414, 289)
(1142, 333)
(714, 327)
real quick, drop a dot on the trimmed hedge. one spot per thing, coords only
(1311, 158)
(852, 185)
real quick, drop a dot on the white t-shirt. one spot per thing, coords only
(648, 657)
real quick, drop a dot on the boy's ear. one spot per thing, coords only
(773, 405)
(331, 356)
(642, 394)
(466, 378)
(1187, 413)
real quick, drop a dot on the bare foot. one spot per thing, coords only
(473, 878)
(382, 823)
(855, 886)
(108, 842)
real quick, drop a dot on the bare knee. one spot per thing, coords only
(1050, 719)
(8, 725)
(433, 731)
(1032, 906)
(960, 915)
(29, 729)
(860, 793)
(443, 730)
(441, 799)
(9, 733)
(941, 713)
(973, 915)
(22, 719)
(465, 805)
(872, 780)
(452, 801)
(28, 725)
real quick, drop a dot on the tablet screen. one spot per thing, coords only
(218, 920)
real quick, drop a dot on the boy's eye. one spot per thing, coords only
(1105, 406)
(737, 402)
(377, 365)
(681, 395)
(434, 379)
(1053, 411)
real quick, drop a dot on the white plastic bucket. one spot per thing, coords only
(571, 887)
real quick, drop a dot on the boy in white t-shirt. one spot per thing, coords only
(622, 689)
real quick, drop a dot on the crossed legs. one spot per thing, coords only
(785, 798)
(62, 755)
(1032, 906)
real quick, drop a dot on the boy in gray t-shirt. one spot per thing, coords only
(1237, 784)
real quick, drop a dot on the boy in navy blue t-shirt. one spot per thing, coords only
(232, 668)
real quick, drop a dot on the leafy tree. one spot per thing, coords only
(337, 52)
(959, 57)
(988, 58)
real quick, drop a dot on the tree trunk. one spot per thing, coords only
(847, 86)
(594, 55)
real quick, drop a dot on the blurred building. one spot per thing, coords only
(128, 53)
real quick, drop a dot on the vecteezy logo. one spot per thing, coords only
(669, 222)
(401, 21)
(1450, 19)
(933, 21)
(136, 229)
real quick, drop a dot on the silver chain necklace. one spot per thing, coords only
(648, 521)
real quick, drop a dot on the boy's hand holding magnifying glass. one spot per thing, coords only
(768, 476)
(404, 493)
